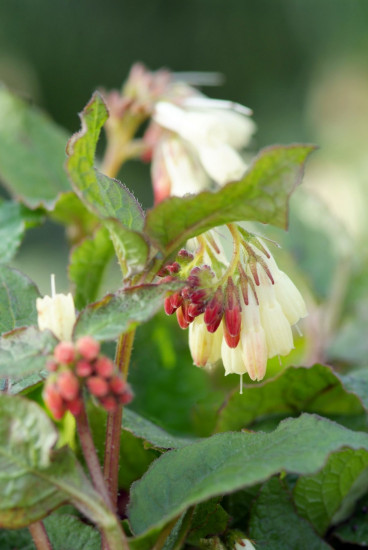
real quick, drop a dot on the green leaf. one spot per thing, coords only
(24, 351)
(67, 532)
(275, 524)
(88, 261)
(104, 196)
(356, 382)
(209, 518)
(16, 540)
(34, 480)
(230, 461)
(150, 432)
(314, 389)
(355, 531)
(70, 211)
(14, 219)
(32, 153)
(17, 299)
(262, 195)
(121, 312)
(131, 247)
(330, 495)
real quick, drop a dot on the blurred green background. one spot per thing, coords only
(301, 65)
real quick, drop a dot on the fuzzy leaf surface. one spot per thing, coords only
(314, 389)
(150, 432)
(70, 210)
(262, 195)
(106, 197)
(230, 461)
(275, 524)
(14, 219)
(17, 299)
(88, 261)
(32, 153)
(24, 351)
(330, 495)
(120, 312)
(355, 531)
(34, 480)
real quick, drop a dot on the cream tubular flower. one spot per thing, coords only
(204, 346)
(232, 359)
(253, 340)
(277, 328)
(56, 313)
(214, 131)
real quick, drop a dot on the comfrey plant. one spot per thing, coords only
(65, 359)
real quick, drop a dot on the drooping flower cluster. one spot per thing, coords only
(74, 367)
(240, 311)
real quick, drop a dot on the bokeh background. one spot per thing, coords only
(301, 65)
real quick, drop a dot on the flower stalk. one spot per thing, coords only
(39, 535)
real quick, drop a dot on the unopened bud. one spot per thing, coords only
(117, 385)
(64, 352)
(97, 386)
(88, 347)
(68, 385)
(183, 323)
(104, 367)
(83, 368)
(75, 406)
(109, 403)
(232, 315)
(54, 401)
(214, 311)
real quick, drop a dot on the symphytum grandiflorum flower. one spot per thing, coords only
(240, 311)
(56, 313)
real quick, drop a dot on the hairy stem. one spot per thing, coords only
(91, 458)
(40, 537)
(114, 419)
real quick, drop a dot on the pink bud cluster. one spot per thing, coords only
(81, 365)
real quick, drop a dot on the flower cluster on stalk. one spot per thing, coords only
(240, 311)
(76, 367)
(80, 366)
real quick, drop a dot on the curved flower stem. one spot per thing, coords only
(39, 535)
(114, 419)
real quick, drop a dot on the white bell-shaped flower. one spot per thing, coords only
(57, 313)
(204, 346)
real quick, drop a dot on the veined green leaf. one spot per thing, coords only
(262, 195)
(88, 262)
(120, 312)
(34, 480)
(275, 524)
(230, 461)
(17, 299)
(330, 495)
(32, 153)
(104, 196)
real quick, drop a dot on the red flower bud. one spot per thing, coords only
(104, 367)
(68, 385)
(232, 315)
(75, 406)
(195, 309)
(109, 403)
(64, 353)
(169, 308)
(117, 385)
(83, 368)
(125, 398)
(88, 347)
(97, 386)
(214, 311)
(54, 401)
(183, 323)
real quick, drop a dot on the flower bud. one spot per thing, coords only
(104, 367)
(118, 385)
(204, 346)
(75, 406)
(97, 386)
(109, 403)
(88, 347)
(54, 401)
(57, 314)
(232, 316)
(64, 352)
(83, 368)
(68, 385)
